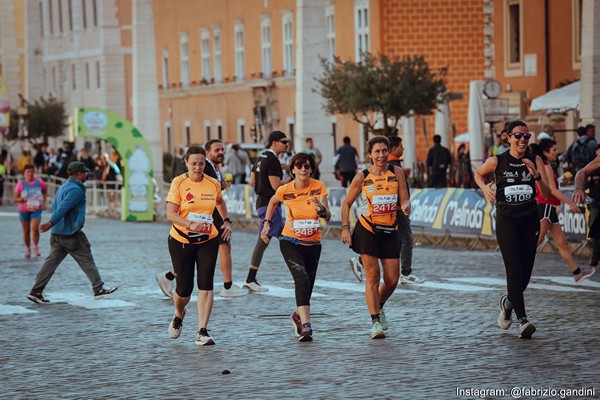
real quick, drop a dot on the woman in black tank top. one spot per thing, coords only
(517, 174)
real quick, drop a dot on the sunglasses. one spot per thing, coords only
(284, 141)
(519, 135)
(302, 166)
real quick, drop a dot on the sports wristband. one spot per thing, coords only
(228, 220)
(267, 221)
(539, 177)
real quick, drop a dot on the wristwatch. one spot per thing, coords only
(538, 178)
(228, 220)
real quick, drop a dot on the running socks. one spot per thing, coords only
(227, 285)
(169, 275)
(577, 271)
(375, 318)
(251, 275)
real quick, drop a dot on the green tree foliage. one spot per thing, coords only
(46, 118)
(380, 87)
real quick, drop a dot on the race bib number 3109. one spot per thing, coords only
(518, 193)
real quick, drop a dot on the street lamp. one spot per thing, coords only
(23, 113)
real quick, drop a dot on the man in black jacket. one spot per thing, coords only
(438, 160)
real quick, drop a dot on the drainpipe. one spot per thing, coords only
(547, 44)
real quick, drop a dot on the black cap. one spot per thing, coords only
(76, 167)
(275, 136)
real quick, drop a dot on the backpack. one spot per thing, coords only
(581, 154)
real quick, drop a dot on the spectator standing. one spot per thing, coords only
(67, 237)
(24, 159)
(87, 160)
(41, 158)
(464, 172)
(236, 163)
(316, 153)
(178, 166)
(501, 143)
(2, 175)
(346, 161)
(581, 151)
(438, 161)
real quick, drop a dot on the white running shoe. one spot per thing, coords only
(377, 331)
(233, 291)
(408, 279)
(526, 330)
(383, 320)
(176, 325)
(203, 338)
(357, 268)
(255, 287)
(505, 317)
(165, 285)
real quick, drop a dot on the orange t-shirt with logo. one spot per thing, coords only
(196, 201)
(381, 200)
(302, 221)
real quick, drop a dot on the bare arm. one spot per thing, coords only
(252, 179)
(353, 192)
(542, 184)
(276, 181)
(403, 193)
(579, 194)
(222, 209)
(554, 191)
(487, 168)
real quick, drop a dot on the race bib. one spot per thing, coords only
(517, 194)
(305, 228)
(205, 221)
(384, 204)
(33, 204)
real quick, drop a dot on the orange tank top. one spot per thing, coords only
(381, 199)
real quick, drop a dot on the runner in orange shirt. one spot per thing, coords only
(193, 240)
(300, 241)
(375, 235)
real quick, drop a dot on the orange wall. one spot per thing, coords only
(447, 33)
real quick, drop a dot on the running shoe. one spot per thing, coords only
(233, 291)
(100, 293)
(37, 298)
(408, 279)
(357, 268)
(505, 317)
(377, 331)
(254, 286)
(296, 323)
(27, 252)
(526, 329)
(383, 320)
(176, 325)
(203, 338)
(36, 251)
(584, 274)
(306, 333)
(165, 285)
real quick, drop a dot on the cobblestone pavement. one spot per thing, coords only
(443, 334)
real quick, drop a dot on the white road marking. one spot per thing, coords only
(534, 285)
(87, 300)
(564, 280)
(5, 309)
(351, 287)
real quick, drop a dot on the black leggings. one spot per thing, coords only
(517, 238)
(302, 262)
(186, 256)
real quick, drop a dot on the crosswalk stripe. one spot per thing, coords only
(454, 286)
(87, 300)
(564, 280)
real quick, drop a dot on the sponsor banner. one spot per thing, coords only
(235, 199)
(574, 225)
(464, 212)
(4, 108)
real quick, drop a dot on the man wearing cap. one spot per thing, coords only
(266, 178)
(67, 237)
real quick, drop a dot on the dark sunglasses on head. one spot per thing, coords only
(519, 135)
(284, 141)
(302, 165)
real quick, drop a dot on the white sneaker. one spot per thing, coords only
(233, 291)
(408, 279)
(377, 331)
(357, 268)
(165, 285)
(176, 325)
(203, 338)
(255, 287)
(383, 320)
